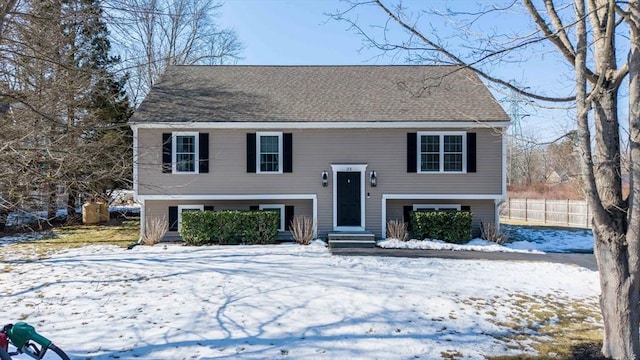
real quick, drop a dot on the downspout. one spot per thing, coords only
(315, 216)
(384, 216)
(136, 197)
(503, 198)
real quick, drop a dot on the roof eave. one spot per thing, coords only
(324, 125)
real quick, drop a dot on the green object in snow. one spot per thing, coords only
(21, 332)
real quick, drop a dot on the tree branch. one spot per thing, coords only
(456, 60)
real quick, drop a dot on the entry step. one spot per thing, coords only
(360, 239)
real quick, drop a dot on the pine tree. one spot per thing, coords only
(107, 111)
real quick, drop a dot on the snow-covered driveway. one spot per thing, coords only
(272, 302)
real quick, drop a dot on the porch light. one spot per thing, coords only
(325, 179)
(373, 179)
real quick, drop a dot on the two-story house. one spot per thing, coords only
(350, 146)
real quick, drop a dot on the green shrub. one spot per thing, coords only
(197, 227)
(449, 226)
(260, 227)
(229, 227)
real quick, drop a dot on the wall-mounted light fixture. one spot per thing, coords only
(325, 179)
(373, 179)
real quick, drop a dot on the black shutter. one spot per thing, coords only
(173, 218)
(251, 152)
(203, 153)
(465, 208)
(406, 214)
(287, 149)
(412, 152)
(166, 153)
(208, 208)
(254, 207)
(471, 152)
(288, 216)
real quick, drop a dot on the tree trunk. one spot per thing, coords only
(52, 201)
(72, 217)
(607, 162)
(616, 249)
(619, 296)
(633, 231)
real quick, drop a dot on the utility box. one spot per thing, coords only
(90, 213)
(103, 210)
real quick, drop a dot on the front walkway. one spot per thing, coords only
(584, 260)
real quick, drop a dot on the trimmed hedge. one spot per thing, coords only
(197, 227)
(450, 226)
(229, 227)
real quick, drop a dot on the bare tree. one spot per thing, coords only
(152, 34)
(590, 36)
(526, 164)
(6, 10)
(65, 130)
(563, 158)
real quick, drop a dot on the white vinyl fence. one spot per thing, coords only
(570, 213)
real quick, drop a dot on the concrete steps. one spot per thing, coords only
(357, 239)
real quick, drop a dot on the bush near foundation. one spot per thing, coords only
(450, 226)
(197, 227)
(229, 227)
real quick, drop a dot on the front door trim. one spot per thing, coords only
(361, 168)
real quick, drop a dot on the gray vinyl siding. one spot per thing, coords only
(384, 150)
(314, 150)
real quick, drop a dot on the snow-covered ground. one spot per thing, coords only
(521, 239)
(275, 302)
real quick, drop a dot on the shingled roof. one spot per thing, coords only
(318, 94)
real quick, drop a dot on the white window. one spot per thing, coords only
(436, 207)
(440, 152)
(278, 208)
(184, 208)
(269, 152)
(185, 152)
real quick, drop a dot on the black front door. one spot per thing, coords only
(348, 202)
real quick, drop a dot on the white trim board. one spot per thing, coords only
(441, 196)
(231, 197)
(504, 166)
(436, 206)
(135, 165)
(279, 125)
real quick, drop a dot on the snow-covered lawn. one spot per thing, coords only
(285, 301)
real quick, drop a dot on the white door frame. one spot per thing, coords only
(361, 168)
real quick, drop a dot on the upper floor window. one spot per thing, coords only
(269, 154)
(185, 152)
(441, 152)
